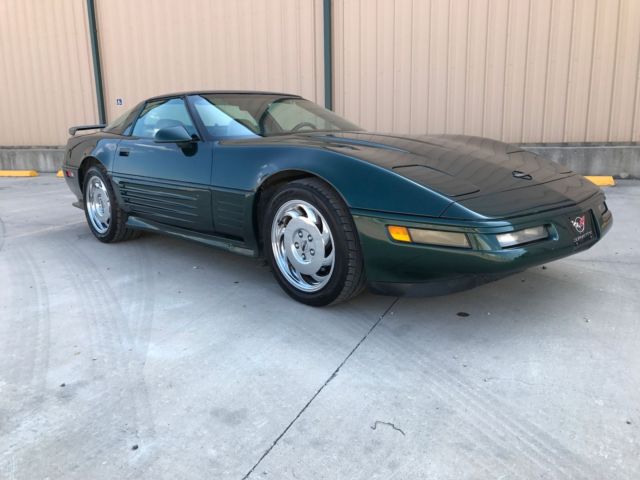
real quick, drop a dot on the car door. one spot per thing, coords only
(165, 182)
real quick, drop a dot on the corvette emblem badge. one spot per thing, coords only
(579, 223)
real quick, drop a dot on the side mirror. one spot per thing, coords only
(175, 134)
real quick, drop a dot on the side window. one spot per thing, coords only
(160, 114)
(118, 124)
(122, 125)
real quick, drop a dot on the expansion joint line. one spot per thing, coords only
(331, 377)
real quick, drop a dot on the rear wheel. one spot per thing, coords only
(106, 219)
(311, 243)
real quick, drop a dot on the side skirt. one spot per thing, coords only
(234, 246)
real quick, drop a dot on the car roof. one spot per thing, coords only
(221, 92)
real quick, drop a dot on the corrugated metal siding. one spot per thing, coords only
(516, 70)
(151, 47)
(46, 76)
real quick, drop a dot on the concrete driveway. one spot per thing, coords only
(157, 358)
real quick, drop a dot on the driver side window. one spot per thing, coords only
(163, 113)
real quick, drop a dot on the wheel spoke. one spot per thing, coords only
(295, 273)
(326, 236)
(292, 214)
(318, 278)
(328, 260)
(310, 213)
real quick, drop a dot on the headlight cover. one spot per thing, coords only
(602, 208)
(439, 237)
(428, 237)
(520, 237)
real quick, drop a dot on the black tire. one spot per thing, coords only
(117, 229)
(348, 276)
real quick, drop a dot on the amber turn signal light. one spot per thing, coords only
(400, 234)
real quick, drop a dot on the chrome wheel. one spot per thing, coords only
(302, 245)
(98, 205)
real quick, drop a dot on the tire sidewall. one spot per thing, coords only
(107, 236)
(336, 283)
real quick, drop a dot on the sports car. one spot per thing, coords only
(332, 208)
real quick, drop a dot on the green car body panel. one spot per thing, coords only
(210, 191)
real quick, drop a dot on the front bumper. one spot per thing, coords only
(398, 268)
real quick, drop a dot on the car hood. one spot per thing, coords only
(457, 166)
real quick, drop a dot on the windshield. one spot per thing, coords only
(250, 115)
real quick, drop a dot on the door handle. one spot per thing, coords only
(123, 152)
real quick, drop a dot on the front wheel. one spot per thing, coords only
(311, 242)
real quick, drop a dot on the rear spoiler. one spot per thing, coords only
(73, 130)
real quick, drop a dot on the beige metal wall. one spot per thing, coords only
(46, 76)
(517, 70)
(151, 47)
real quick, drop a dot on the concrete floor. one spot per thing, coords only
(157, 358)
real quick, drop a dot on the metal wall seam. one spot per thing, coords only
(328, 54)
(95, 55)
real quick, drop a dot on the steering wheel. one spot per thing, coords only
(302, 125)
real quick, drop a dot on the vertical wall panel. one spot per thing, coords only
(458, 48)
(420, 35)
(46, 76)
(625, 75)
(402, 66)
(384, 67)
(495, 68)
(438, 74)
(536, 70)
(150, 47)
(367, 65)
(580, 68)
(603, 67)
(352, 83)
(516, 70)
(476, 66)
(558, 68)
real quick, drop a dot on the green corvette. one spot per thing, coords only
(332, 208)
